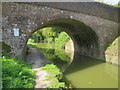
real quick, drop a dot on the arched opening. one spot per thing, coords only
(54, 43)
(84, 38)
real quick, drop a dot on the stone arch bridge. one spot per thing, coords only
(91, 26)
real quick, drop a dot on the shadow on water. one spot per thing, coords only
(81, 62)
(62, 60)
(88, 72)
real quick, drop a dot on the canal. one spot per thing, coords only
(83, 71)
(87, 72)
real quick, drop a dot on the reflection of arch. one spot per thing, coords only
(84, 38)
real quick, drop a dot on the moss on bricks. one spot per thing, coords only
(5, 48)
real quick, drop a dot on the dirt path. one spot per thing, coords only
(37, 59)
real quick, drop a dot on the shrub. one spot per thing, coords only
(16, 73)
(46, 35)
(61, 40)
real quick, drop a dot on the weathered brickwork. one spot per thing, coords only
(90, 34)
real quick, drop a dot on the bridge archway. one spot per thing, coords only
(27, 18)
(84, 38)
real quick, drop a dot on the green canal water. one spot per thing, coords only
(86, 72)
(83, 71)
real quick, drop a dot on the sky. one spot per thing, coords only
(111, 1)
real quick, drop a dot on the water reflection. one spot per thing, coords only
(57, 56)
(82, 71)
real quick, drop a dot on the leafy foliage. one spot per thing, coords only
(60, 53)
(54, 54)
(54, 75)
(55, 38)
(52, 69)
(46, 35)
(51, 35)
(16, 73)
(61, 40)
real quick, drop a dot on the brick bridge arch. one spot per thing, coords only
(85, 41)
(93, 31)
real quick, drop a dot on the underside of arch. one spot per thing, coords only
(84, 38)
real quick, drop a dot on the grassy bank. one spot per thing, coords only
(55, 74)
(16, 73)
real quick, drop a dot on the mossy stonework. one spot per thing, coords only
(89, 33)
(5, 48)
(111, 52)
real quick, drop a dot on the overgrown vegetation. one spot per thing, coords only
(47, 40)
(51, 41)
(54, 54)
(61, 40)
(16, 73)
(46, 35)
(5, 48)
(51, 35)
(54, 76)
